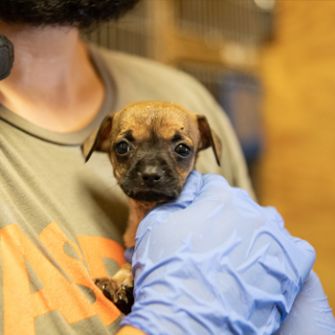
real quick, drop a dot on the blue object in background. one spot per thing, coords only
(240, 94)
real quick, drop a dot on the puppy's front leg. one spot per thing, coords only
(137, 211)
(119, 288)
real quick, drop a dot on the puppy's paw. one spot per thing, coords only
(118, 289)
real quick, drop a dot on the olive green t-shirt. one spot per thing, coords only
(61, 220)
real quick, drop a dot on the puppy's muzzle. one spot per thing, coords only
(151, 180)
(151, 175)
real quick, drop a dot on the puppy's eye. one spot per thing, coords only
(182, 150)
(122, 148)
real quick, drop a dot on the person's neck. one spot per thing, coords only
(53, 83)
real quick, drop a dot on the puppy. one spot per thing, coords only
(152, 147)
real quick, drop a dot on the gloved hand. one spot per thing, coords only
(215, 262)
(311, 313)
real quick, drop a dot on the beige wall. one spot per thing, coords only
(297, 172)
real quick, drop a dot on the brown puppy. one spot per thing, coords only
(153, 147)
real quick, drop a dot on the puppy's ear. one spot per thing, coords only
(208, 138)
(98, 140)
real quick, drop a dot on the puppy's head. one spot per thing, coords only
(152, 147)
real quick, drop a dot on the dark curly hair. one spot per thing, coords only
(80, 13)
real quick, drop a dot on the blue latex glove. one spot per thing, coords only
(311, 314)
(215, 262)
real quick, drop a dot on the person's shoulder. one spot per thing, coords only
(145, 65)
(162, 81)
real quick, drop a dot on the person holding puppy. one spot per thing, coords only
(61, 221)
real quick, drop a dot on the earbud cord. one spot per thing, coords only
(6, 57)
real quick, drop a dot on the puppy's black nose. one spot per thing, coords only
(151, 175)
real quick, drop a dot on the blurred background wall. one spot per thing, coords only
(271, 65)
(296, 171)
